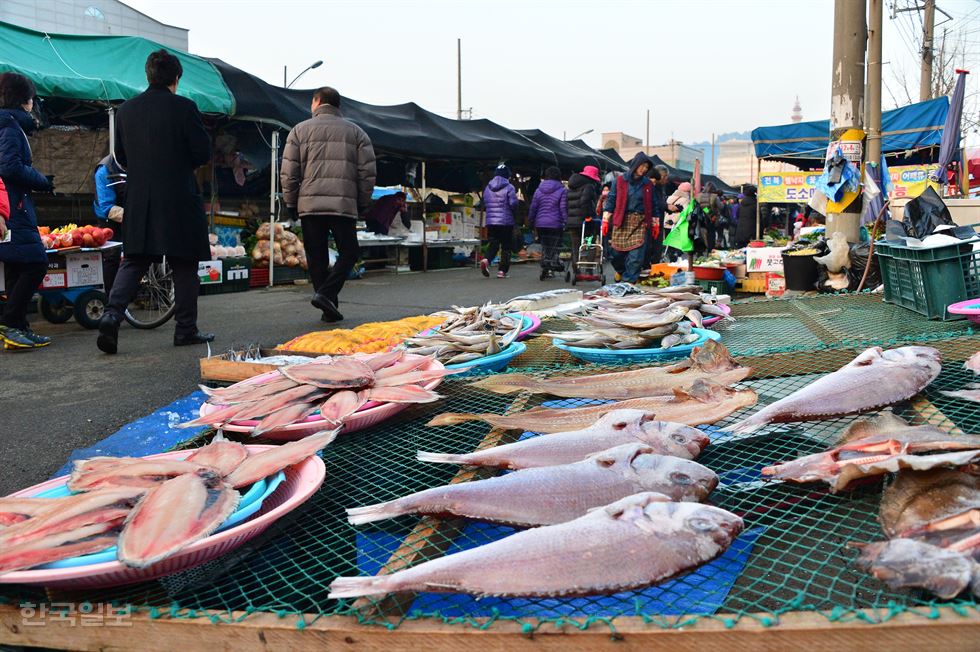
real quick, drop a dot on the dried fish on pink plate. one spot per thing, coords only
(614, 428)
(875, 379)
(555, 494)
(874, 447)
(640, 540)
(60, 545)
(174, 515)
(273, 460)
(100, 472)
(221, 455)
(341, 372)
(73, 512)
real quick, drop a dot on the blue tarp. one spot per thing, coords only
(910, 127)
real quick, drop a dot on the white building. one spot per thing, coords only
(98, 17)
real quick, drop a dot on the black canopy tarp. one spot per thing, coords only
(570, 157)
(613, 155)
(404, 130)
(679, 175)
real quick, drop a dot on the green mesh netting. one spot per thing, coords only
(795, 557)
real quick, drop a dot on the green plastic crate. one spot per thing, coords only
(718, 286)
(929, 280)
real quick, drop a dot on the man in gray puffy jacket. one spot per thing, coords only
(328, 173)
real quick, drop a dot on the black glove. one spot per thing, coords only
(293, 213)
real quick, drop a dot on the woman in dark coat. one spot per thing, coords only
(745, 229)
(160, 140)
(24, 259)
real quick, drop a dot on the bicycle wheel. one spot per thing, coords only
(154, 301)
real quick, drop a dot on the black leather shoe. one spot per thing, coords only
(196, 338)
(329, 308)
(108, 341)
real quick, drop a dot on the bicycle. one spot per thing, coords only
(153, 304)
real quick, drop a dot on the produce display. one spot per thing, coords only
(73, 235)
(149, 509)
(467, 334)
(373, 337)
(334, 388)
(287, 248)
(661, 319)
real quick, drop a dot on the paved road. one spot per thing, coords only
(69, 395)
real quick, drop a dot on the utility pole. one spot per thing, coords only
(646, 150)
(459, 79)
(875, 15)
(714, 161)
(847, 108)
(925, 75)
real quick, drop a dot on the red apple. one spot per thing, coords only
(107, 233)
(76, 237)
(88, 240)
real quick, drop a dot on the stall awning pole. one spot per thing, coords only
(758, 208)
(112, 133)
(425, 246)
(273, 189)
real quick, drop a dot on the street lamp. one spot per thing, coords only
(584, 133)
(315, 64)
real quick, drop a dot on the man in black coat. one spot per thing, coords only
(160, 140)
(745, 230)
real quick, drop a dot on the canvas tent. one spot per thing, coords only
(908, 128)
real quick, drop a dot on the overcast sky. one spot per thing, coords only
(700, 66)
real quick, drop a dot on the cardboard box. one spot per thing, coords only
(209, 272)
(84, 269)
(764, 259)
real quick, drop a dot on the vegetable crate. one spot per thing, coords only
(235, 276)
(928, 280)
(718, 287)
(259, 276)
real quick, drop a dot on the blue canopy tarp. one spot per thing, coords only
(908, 128)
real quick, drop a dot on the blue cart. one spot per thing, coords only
(85, 302)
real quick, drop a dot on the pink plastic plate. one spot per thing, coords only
(370, 414)
(970, 308)
(714, 319)
(535, 324)
(302, 481)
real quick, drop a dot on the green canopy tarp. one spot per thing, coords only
(103, 68)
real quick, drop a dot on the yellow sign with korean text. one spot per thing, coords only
(798, 187)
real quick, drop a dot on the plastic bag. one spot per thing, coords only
(859, 258)
(839, 255)
(924, 213)
(839, 176)
(679, 238)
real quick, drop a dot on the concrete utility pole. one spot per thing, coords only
(875, 15)
(847, 107)
(925, 75)
(459, 79)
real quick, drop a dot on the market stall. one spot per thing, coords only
(788, 579)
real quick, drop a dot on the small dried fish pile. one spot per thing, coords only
(643, 321)
(706, 402)
(632, 543)
(335, 387)
(467, 334)
(932, 521)
(874, 379)
(150, 509)
(879, 446)
(555, 494)
(709, 362)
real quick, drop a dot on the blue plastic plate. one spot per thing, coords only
(250, 503)
(629, 356)
(495, 362)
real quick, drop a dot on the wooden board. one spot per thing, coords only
(805, 631)
(219, 368)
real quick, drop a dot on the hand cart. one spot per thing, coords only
(590, 256)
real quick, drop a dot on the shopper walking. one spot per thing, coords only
(548, 215)
(21, 252)
(745, 230)
(710, 205)
(583, 190)
(629, 211)
(328, 174)
(109, 206)
(500, 204)
(655, 245)
(160, 140)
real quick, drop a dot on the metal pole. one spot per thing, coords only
(273, 188)
(758, 208)
(714, 161)
(646, 150)
(964, 173)
(284, 77)
(925, 74)
(875, 12)
(112, 133)
(459, 81)
(847, 107)
(425, 246)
